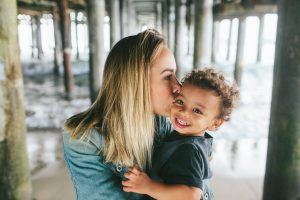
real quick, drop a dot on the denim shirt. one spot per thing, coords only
(94, 179)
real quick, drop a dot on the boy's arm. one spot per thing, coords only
(139, 182)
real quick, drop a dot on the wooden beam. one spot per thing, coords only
(230, 11)
(27, 11)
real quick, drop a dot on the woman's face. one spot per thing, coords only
(163, 81)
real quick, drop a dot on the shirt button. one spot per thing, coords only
(119, 168)
(206, 196)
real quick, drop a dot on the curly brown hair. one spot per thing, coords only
(212, 80)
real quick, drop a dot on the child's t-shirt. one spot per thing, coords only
(183, 160)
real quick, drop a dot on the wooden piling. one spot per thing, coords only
(57, 41)
(239, 62)
(15, 181)
(66, 44)
(96, 11)
(260, 38)
(180, 11)
(229, 40)
(282, 177)
(39, 37)
(203, 33)
(115, 23)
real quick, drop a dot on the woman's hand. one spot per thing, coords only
(138, 181)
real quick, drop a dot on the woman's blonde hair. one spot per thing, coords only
(123, 112)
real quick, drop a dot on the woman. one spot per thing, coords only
(118, 130)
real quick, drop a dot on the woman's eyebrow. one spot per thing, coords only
(166, 70)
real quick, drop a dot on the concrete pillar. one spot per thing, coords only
(203, 33)
(66, 44)
(96, 13)
(39, 37)
(15, 181)
(115, 24)
(282, 177)
(239, 62)
(229, 40)
(180, 11)
(215, 40)
(260, 38)
(57, 40)
(76, 32)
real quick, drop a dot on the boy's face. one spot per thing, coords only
(195, 110)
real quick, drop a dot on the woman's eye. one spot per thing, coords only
(196, 110)
(169, 77)
(179, 102)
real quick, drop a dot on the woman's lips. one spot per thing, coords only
(181, 123)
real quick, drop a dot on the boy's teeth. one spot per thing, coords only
(182, 122)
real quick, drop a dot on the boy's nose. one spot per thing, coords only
(184, 113)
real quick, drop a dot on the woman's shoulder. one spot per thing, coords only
(91, 142)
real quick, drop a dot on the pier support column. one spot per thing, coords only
(76, 32)
(203, 33)
(180, 11)
(66, 44)
(282, 177)
(260, 38)
(215, 41)
(229, 40)
(39, 37)
(96, 12)
(239, 62)
(15, 181)
(57, 41)
(115, 23)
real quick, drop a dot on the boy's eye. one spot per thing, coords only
(196, 110)
(179, 102)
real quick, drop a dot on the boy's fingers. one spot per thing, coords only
(137, 167)
(136, 171)
(131, 175)
(127, 189)
(127, 183)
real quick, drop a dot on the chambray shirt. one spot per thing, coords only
(94, 179)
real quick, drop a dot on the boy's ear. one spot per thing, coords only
(216, 124)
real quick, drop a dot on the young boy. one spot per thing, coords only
(181, 165)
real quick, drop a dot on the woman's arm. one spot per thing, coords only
(139, 182)
(92, 179)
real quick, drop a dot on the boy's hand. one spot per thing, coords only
(138, 181)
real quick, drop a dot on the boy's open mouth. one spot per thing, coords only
(181, 123)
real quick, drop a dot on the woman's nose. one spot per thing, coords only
(176, 86)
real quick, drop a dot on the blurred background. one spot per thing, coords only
(234, 36)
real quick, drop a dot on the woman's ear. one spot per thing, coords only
(216, 124)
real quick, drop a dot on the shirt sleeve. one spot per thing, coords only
(92, 179)
(185, 166)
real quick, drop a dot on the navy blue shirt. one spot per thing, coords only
(183, 159)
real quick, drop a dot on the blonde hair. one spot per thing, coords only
(123, 112)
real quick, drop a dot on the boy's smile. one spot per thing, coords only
(196, 110)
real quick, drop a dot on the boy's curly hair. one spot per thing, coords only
(211, 80)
